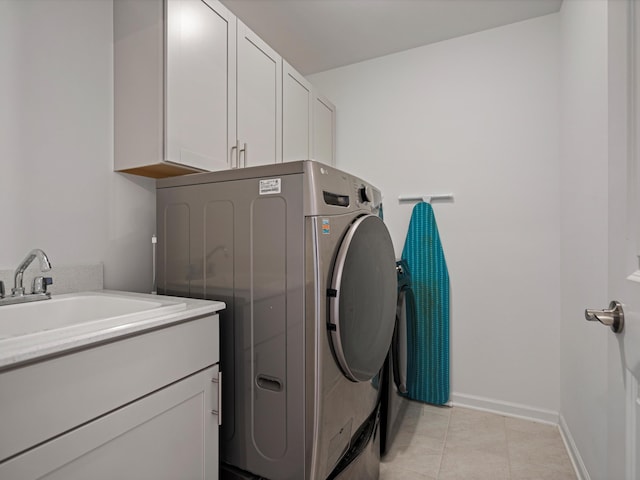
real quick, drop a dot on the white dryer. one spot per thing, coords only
(307, 270)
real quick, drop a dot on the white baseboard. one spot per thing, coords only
(505, 408)
(572, 449)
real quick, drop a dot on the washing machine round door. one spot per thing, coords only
(362, 299)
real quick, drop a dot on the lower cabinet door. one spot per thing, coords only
(169, 434)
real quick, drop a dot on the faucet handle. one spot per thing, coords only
(40, 284)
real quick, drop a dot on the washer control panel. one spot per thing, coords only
(339, 189)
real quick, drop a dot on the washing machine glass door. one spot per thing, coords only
(362, 299)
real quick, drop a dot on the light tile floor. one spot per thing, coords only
(457, 443)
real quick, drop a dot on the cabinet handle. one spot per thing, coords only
(218, 412)
(243, 150)
(231, 163)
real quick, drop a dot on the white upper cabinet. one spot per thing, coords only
(259, 106)
(324, 130)
(197, 90)
(200, 85)
(297, 105)
(174, 86)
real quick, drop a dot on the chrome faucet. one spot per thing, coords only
(39, 284)
(45, 266)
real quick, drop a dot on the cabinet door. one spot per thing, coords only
(169, 434)
(324, 130)
(297, 103)
(200, 84)
(259, 84)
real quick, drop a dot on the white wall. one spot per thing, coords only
(584, 204)
(57, 188)
(477, 116)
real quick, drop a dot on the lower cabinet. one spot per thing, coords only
(169, 434)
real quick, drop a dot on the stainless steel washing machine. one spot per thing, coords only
(307, 270)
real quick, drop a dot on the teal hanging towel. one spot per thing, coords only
(428, 343)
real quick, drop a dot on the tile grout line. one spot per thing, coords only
(444, 443)
(506, 446)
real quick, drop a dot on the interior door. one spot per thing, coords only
(623, 436)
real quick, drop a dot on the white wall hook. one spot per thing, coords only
(425, 198)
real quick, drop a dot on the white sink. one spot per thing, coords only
(64, 311)
(37, 330)
(31, 330)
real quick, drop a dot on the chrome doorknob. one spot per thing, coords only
(612, 317)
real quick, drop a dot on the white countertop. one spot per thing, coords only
(164, 312)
